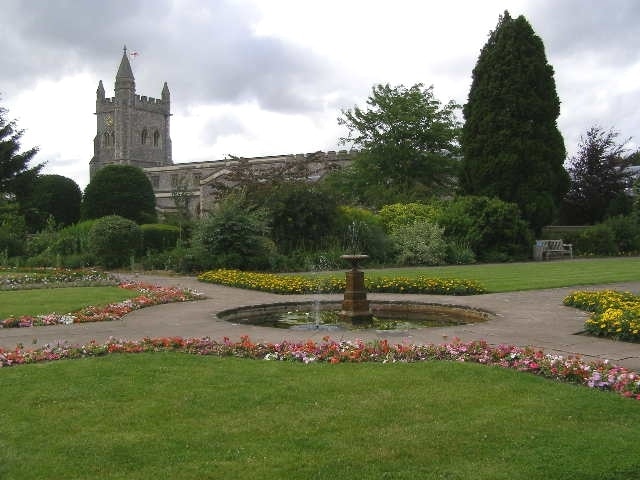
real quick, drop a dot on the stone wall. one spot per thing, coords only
(208, 182)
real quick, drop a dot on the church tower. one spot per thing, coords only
(131, 129)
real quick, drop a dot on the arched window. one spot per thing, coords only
(156, 138)
(143, 137)
(105, 139)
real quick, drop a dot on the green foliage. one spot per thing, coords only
(113, 240)
(599, 179)
(371, 237)
(459, 253)
(159, 237)
(234, 235)
(51, 196)
(302, 216)
(408, 142)
(597, 240)
(400, 214)
(626, 233)
(493, 229)
(46, 247)
(15, 174)
(122, 190)
(420, 243)
(12, 229)
(512, 148)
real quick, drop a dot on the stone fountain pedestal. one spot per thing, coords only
(355, 306)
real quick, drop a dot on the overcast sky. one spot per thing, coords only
(267, 77)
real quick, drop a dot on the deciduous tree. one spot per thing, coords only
(122, 190)
(599, 176)
(408, 142)
(52, 196)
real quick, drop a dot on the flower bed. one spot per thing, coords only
(615, 314)
(297, 284)
(148, 295)
(598, 375)
(16, 279)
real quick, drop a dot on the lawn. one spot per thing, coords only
(511, 277)
(59, 300)
(170, 415)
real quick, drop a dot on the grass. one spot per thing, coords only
(511, 277)
(180, 416)
(59, 300)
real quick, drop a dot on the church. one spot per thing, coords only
(133, 129)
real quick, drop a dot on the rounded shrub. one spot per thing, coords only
(122, 190)
(113, 240)
(420, 243)
(159, 237)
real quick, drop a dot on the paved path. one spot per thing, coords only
(536, 318)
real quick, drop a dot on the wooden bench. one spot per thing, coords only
(545, 249)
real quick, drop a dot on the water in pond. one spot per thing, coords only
(386, 317)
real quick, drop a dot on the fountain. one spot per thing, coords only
(354, 312)
(355, 306)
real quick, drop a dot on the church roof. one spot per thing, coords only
(124, 77)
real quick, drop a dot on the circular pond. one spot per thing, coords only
(387, 316)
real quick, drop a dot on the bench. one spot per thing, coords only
(545, 249)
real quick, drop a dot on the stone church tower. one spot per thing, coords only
(131, 129)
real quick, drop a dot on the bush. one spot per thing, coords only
(399, 214)
(159, 237)
(233, 236)
(420, 243)
(459, 253)
(493, 229)
(302, 216)
(597, 240)
(626, 233)
(113, 240)
(368, 229)
(122, 190)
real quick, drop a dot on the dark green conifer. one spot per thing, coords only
(512, 148)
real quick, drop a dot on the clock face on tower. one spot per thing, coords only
(108, 121)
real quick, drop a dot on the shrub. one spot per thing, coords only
(370, 237)
(459, 253)
(113, 240)
(159, 237)
(492, 228)
(302, 216)
(420, 243)
(400, 214)
(626, 233)
(597, 240)
(234, 236)
(122, 190)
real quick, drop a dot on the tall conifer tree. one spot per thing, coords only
(512, 148)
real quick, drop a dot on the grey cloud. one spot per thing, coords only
(221, 126)
(608, 29)
(206, 51)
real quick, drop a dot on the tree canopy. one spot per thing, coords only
(408, 142)
(15, 172)
(122, 190)
(52, 196)
(599, 176)
(512, 148)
